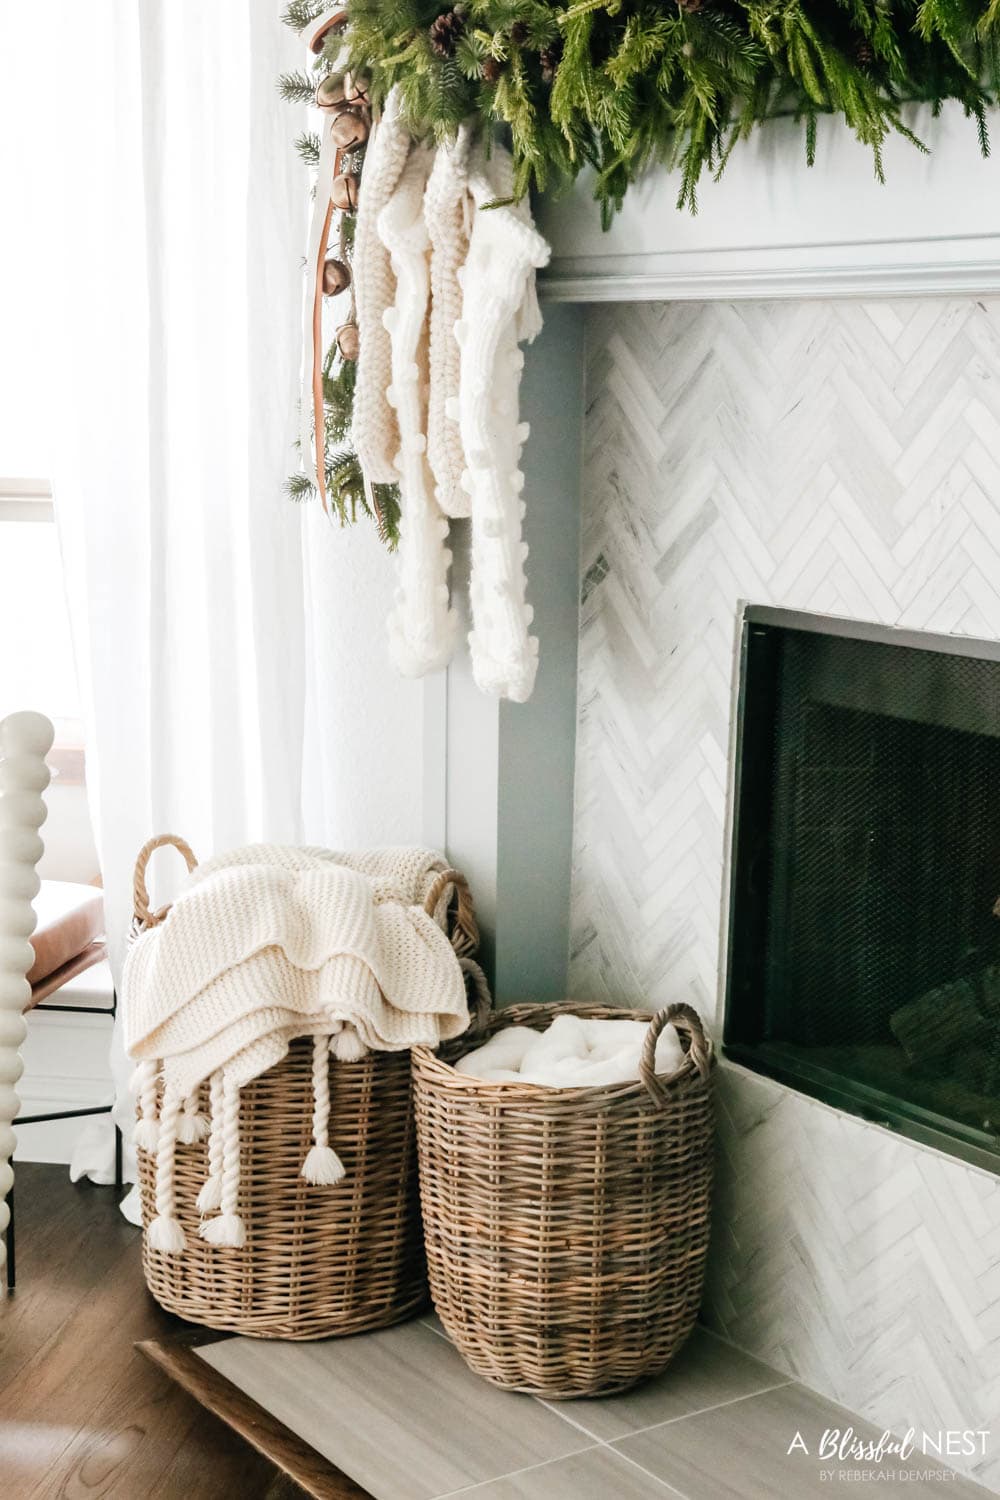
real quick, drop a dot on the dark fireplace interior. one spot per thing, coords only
(864, 948)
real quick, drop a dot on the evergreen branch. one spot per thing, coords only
(299, 487)
(643, 81)
(299, 14)
(297, 88)
(308, 146)
(615, 85)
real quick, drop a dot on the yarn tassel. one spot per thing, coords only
(322, 1167)
(228, 1229)
(147, 1127)
(210, 1195)
(347, 1045)
(165, 1232)
(192, 1126)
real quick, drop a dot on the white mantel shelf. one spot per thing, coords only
(775, 228)
(929, 268)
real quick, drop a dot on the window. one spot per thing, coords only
(37, 668)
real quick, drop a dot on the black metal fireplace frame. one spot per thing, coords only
(772, 1059)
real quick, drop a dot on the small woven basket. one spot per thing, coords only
(318, 1261)
(567, 1229)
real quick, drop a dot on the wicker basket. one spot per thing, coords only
(566, 1229)
(318, 1261)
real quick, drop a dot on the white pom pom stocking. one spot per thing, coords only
(422, 626)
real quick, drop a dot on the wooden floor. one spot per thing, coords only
(82, 1414)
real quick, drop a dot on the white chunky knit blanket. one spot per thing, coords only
(573, 1052)
(263, 945)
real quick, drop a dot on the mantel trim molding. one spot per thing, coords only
(966, 266)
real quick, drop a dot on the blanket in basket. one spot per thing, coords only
(263, 945)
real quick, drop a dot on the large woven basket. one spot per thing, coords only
(318, 1261)
(566, 1229)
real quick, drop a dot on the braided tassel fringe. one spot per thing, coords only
(210, 1194)
(322, 1167)
(147, 1127)
(165, 1232)
(347, 1045)
(228, 1230)
(192, 1126)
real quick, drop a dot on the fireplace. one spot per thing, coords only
(864, 945)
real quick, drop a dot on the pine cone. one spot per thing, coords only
(519, 33)
(491, 69)
(864, 56)
(690, 5)
(446, 31)
(548, 60)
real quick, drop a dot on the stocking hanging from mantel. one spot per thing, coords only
(437, 259)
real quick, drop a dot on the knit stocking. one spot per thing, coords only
(447, 215)
(165, 1233)
(322, 1167)
(499, 307)
(210, 1195)
(422, 626)
(374, 429)
(228, 1229)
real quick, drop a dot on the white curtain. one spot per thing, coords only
(235, 686)
(179, 213)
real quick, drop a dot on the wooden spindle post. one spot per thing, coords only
(25, 739)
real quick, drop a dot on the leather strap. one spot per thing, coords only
(319, 423)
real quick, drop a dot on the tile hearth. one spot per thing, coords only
(399, 1412)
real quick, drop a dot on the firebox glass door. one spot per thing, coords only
(864, 947)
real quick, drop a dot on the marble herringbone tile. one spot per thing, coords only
(832, 456)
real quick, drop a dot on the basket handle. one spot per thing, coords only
(478, 991)
(140, 895)
(688, 1022)
(464, 928)
(465, 941)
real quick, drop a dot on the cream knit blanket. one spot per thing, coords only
(263, 945)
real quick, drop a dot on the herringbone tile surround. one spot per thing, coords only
(834, 456)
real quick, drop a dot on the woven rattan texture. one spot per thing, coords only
(318, 1261)
(566, 1229)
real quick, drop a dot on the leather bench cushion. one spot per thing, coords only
(69, 917)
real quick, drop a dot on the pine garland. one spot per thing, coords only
(618, 85)
(346, 489)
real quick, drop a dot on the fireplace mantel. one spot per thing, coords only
(499, 778)
(773, 227)
(677, 401)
